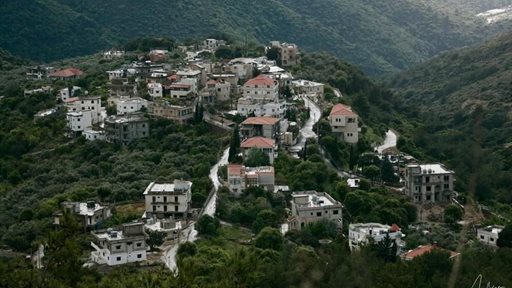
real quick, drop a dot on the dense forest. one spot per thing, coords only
(380, 36)
(459, 110)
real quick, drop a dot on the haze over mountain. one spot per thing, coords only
(462, 102)
(380, 36)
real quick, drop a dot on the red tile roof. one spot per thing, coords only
(235, 169)
(260, 121)
(72, 99)
(180, 85)
(342, 110)
(422, 250)
(394, 228)
(257, 142)
(260, 80)
(68, 72)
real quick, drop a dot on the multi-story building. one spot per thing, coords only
(130, 105)
(344, 123)
(78, 121)
(89, 214)
(359, 234)
(166, 200)
(122, 87)
(178, 113)
(220, 89)
(126, 128)
(262, 88)
(429, 183)
(39, 72)
(87, 103)
(115, 247)
(489, 235)
(212, 44)
(288, 53)
(267, 127)
(247, 106)
(68, 92)
(155, 90)
(268, 146)
(241, 177)
(310, 88)
(311, 206)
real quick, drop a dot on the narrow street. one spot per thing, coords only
(389, 142)
(189, 234)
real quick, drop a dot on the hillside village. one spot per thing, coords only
(266, 110)
(284, 132)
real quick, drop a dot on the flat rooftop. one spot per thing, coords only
(176, 187)
(432, 168)
(315, 199)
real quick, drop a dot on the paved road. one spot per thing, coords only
(189, 234)
(389, 141)
(307, 130)
(337, 92)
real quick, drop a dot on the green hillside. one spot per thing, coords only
(380, 36)
(463, 101)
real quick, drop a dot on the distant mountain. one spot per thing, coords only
(462, 103)
(379, 36)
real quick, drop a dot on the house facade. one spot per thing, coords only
(288, 53)
(116, 247)
(262, 88)
(247, 106)
(168, 200)
(267, 127)
(266, 145)
(89, 214)
(309, 88)
(131, 105)
(489, 235)
(178, 113)
(360, 234)
(241, 177)
(123, 129)
(429, 183)
(312, 206)
(344, 123)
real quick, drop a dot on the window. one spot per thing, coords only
(492, 239)
(481, 236)
(429, 188)
(154, 208)
(446, 186)
(139, 256)
(118, 258)
(165, 199)
(446, 178)
(176, 208)
(427, 179)
(154, 199)
(335, 212)
(129, 243)
(176, 199)
(165, 208)
(118, 247)
(139, 244)
(318, 214)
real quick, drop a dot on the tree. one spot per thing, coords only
(257, 158)
(371, 172)
(273, 54)
(198, 114)
(155, 238)
(388, 173)
(187, 249)
(234, 146)
(265, 218)
(386, 249)
(207, 225)
(505, 237)
(452, 214)
(269, 238)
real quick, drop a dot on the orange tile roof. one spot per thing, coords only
(394, 228)
(260, 121)
(235, 169)
(342, 110)
(260, 80)
(422, 250)
(68, 72)
(257, 142)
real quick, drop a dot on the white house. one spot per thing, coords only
(93, 134)
(165, 200)
(261, 88)
(212, 44)
(311, 206)
(344, 123)
(489, 235)
(247, 106)
(310, 88)
(66, 93)
(116, 247)
(78, 121)
(155, 90)
(89, 214)
(359, 234)
(131, 105)
(91, 103)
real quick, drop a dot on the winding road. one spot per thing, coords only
(307, 130)
(189, 234)
(389, 142)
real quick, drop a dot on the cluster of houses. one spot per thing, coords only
(167, 205)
